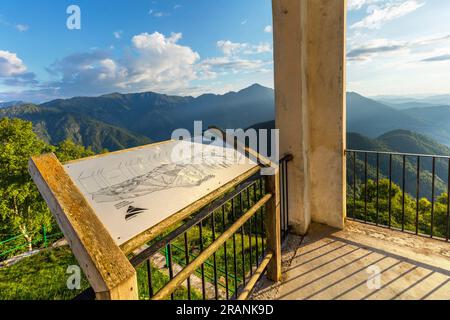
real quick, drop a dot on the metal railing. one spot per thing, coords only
(240, 252)
(219, 253)
(402, 191)
(284, 195)
(18, 244)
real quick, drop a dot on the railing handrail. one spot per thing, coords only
(398, 153)
(178, 279)
(414, 193)
(201, 216)
(270, 234)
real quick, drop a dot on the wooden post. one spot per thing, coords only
(273, 226)
(105, 265)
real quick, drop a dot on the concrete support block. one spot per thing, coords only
(309, 53)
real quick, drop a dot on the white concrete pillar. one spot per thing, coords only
(309, 53)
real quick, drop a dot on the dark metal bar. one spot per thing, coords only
(286, 186)
(203, 214)
(149, 278)
(283, 200)
(186, 257)
(390, 190)
(225, 254)
(213, 230)
(365, 187)
(285, 212)
(404, 192)
(234, 250)
(378, 188)
(261, 211)
(169, 255)
(417, 195)
(256, 228)
(432, 196)
(243, 255)
(249, 229)
(260, 188)
(400, 154)
(250, 245)
(200, 229)
(261, 217)
(242, 243)
(248, 198)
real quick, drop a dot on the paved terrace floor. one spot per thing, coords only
(330, 264)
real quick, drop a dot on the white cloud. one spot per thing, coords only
(157, 14)
(268, 29)
(263, 47)
(10, 64)
(155, 63)
(22, 27)
(243, 22)
(118, 34)
(221, 66)
(384, 48)
(354, 5)
(230, 48)
(391, 11)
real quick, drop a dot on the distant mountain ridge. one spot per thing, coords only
(431, 100)
(116, 121)
(7, 104)
(372, 118)
(402, 141)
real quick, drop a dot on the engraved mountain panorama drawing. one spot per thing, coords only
(134, 190)
(183, 174)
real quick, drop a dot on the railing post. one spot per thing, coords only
(273, 226)
(166, 255)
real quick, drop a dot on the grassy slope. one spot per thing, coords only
(43, 277)
(40, 277)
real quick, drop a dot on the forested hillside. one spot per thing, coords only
(116, 121)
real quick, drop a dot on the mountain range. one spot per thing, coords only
(8, 104)
(442, 99)
(372, 118)
(116, 121)
(400, 141)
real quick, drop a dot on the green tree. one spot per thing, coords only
(67, 150)
(22, 210)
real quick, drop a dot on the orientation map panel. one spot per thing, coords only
(134, 190)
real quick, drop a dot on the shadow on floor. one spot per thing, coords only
(360, 263)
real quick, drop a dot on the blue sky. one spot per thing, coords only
(398, 47)
(190, 47)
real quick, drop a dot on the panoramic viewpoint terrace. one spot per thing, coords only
(330, 224)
